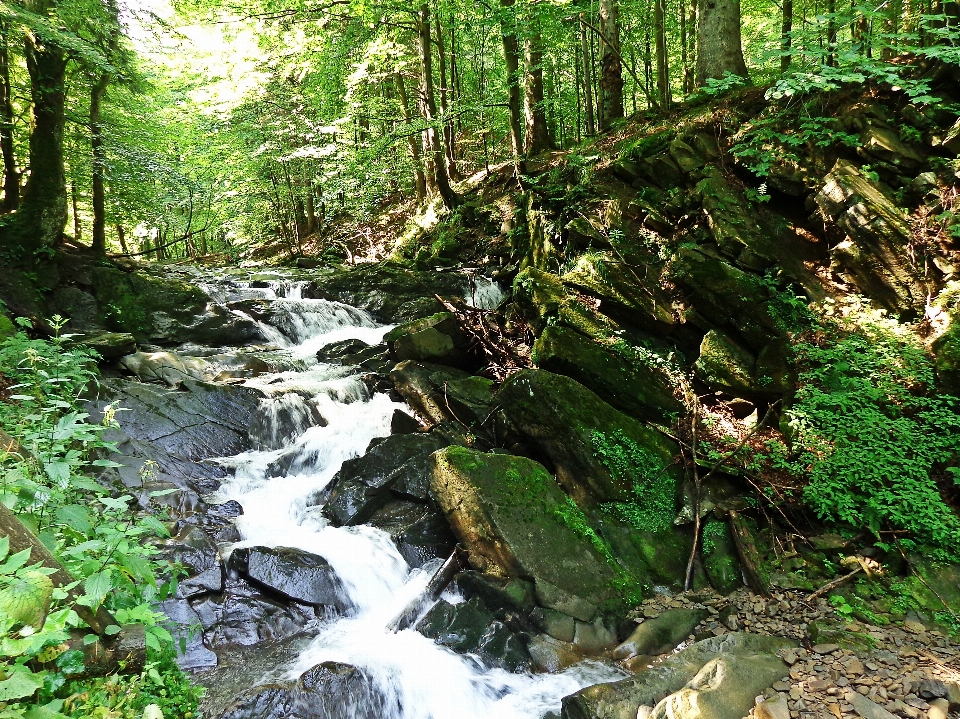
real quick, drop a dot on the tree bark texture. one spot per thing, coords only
(11, 173)
(663, 67)
(419, 181)
(587, 79)
(537, 138)
(430, 110)
(786, 38)
(511, 58)
(611, 68)
(719, 49)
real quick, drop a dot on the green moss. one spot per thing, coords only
(652, 507)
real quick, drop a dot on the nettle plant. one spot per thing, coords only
(96, 534)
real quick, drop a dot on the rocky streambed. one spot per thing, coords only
(320, 447)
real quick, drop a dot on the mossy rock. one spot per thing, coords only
(726, 366)
(822, 631)
(437, 338)
(720, 560)
(604, 276)
(515, 521)
(942, 582)
(545, 301)
(640, 391)
(129, 301)
(572, 427)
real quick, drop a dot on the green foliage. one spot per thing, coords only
(867, 436)
(653, 506)
(718, 86)
(96, 535)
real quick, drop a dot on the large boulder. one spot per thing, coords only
(398, 465)
(709, 665)
(438, 338)
(874, 255)
(515, 521)
(726, 366)
(639, 390)
(423, 386)
(545, 301)
(420, 531)
(662, 633)
(598, 453)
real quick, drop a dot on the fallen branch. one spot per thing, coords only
(438, 582)
(833, 585)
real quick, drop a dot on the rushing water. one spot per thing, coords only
(416, 678)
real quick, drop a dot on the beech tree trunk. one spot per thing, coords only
(587, 79)
(511, 58)
(719, 49)
(419, 180)
(449, 147)
(537, 137)
(611, 70)
(42, 215)
(11, 173)
(99, 244)
(663, 68)
(430, 111)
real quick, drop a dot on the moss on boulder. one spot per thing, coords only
(516, 522)
(725, 366)
(640, 391)
(437, 338)
(545, 301)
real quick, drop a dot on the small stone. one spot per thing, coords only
(938, 709)
(932, 689)
(781, 686)
(866, 708)
(915, 627)
(795, 692)
(774, 707)
(650, 613)
(817, 685)
(790, 657)
(872, 666)
(825, 648)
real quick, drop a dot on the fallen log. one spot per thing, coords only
(749, 556)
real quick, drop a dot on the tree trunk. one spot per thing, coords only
(663, 68)
(99, 245)
(448, 139)
(11, 173)
(419, 181)
(831, 33)
(587, 79)
(511, 58)
(719, 49)
(122, 237)
(611, 70)
(39, 222)
(430, 110)
(537, 138)
(786, 37)
(75, 202)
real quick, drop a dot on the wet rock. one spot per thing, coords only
(395, 465)
(555, 624)
(296, 574)
(337, 350)
(513, 595)
(182, 625)
(171, 369)
(242, 615)
(552, 655)
(471, 628)
(508, 512)
(471, 402)
(331, 690)
(749, 660)
(420, 532)
(194, 550)
(565, 420)
(438, 339)
(639, 390)
(403, 423)
(662, 634)
(593, 637)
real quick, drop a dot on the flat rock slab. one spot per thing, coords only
(661, 634)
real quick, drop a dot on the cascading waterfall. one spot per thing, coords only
(415, 678)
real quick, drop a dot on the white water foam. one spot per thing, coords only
(417, 678)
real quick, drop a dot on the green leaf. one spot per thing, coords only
(15, 562)
(75, 517)
(21, 683)
(97, 585)
(58, 472)
(27, 600)
(111, 630)
(4, 547)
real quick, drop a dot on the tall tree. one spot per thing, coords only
(11, 173)
(511, 60)
(419, 181)
(98, 146)
(42, 215)
(719, 48)
(433, 134)
(611, 65)
(537, 138)
(587, 76)
(663, 67)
